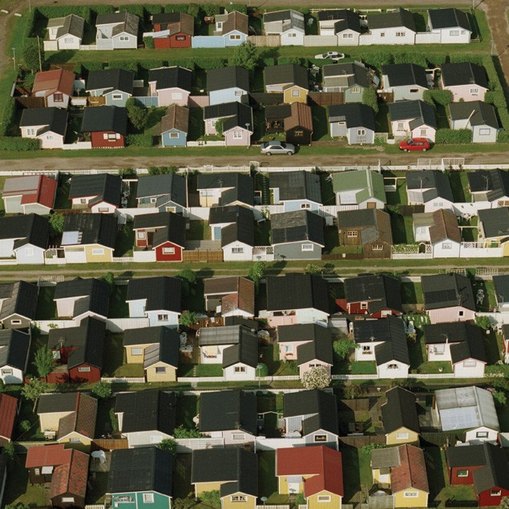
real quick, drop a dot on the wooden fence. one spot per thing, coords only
(326, 98)
(359, 441)
(203, 256)
(110, 444)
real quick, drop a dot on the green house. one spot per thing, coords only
(359, 189)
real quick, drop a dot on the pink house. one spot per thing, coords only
(466, 81)
(48, 125)
(234, 120)
(171, 85)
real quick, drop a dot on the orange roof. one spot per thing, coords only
(47, 455)
(300, 116)
(8, 408)
(411, 472)
(322, 463)
(57, 80)
(46, 192)
(71, 477)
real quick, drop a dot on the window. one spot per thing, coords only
(484, 131)
(162, 318)
(347, 36)
(141, 235)
(402, 436)
(136, 350)
(474, 91)
(219, 25)
(424, 133)
(299, 132)
(238, 498)
(116, 97)
(364, 305)
(292, 34)
(305, 205)
(454, 33)
(30, 132)
(58, 97)
(112, 136)
(320, 438)
(235, 37)
(446, 245)
(237, 250)
(351, 234)
(15, 321)
(176, 95)
(295, 92)
(237, 135)
(37, 471)
(83, 201)
(69, 500)
(237, 436)
(124, 38)
(377, 247)
(392, 366)
(148, 498)
(462, 473)
(323, 498)
(174, 135)
(307, 247)
(160, 370)
(98, 251)
(461, 313)
(495, 493)
(361, 132)
(401, 127)
(84, 369)
(6, 371)
(410, 494)
(239, 369)
(180, 38)
(238, 93)
(168, 250)
(366, 349)
(469, 363)
(481, 434)
(153, 200)
(382, 34)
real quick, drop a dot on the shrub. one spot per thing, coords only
(193, 10)
(503, 136)
(18, 144)
(238, 7)
(169, 445)
(453, 137)
(137, 113)
(140, 140)
(211, 9)
(181, 432)
(149, 42)
(211, 498)
(101, 390)
(136, 9)
(176, 8)
(316, 378)
(370, 98)
(8, 119)
(441, 97)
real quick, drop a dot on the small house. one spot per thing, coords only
(501, 291)
(106, 126)
(230, 296)
(96, 193)
(291, 80)
(405, 81)
(291, 337)
(172, 30)
(466, 81)
(439, 230)
(493, 229)
(450, 24)
(430, 188)
(117, 30)
(8, 414)
(165, 193)
(31, 194)
(233, 27)
(490, 186)
(355, 122)
(171, 85)
(55, 87)
(359, 189)
(392, 27)
(233, 121)
(67, 32)
(174, 126)
(113, 86)
(48, 125)
(18, 304)
(392, 358)
(225, 189)
(296, 190)
(14, 347)
(399, 417)
(228, 85)
(352, 79)
(415, 119)
(299, 125)
(343, 23)
(477, 116)
(288, 25)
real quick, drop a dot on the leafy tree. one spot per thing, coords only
(33, 389)
(102, 390)
(169, 445)
(246, 55)
(56, 222)
(24, 425)
(211, 498)
(211, 9)
(44, 361)
(500, 398)
(483, 321)
(161, 170)
(193, 10)
(262, 369)
(181, 432)
(312, 268)
(137, 113)
(219, 126)
(316, 378)
(344, 347)
(18, 505)
(184, 503)
(33, 54)
(9, 451)
(257, 272)
(188, 318)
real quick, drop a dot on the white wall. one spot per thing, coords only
(29, 254)
(401, 371)
(230, 374)
(15, 378)
(463, 370)
(471, 435)
(144, 438)
(230, 256)
(388, 36)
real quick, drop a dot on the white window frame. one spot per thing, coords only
(136, 351)
(410, 494)
(307, 247)
(168, 250)
(148, 498)
(323, 498)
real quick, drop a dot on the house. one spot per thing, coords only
(96, 193)
(490, 186)
(8, 414)
(369, 333)
(141, 478)
(501, 291)
(55, 87)
(378, 296)
(466, 81)
(354, 121)
(275, 115)
(48, 125)
(89, 238)
(114, 86)
(299, 125)
(163, 233)
(66, 31)
(81, 298)
(448, 297)
(14, 348)
(470, 409)
(232, 471)
(291, 80)
(463, 460)
(118, 30)
(296, 190)
(166, 193)
(392, 358)
(233, 27)
(452, 25)
(439, 230)
(296, 298)
(18, 304)
(297, 235)
(430, 188)
(460, 343)
(493, 229)
(404, 81)
(233, 120)
(415, 119)
(238, 233)
(106, 126)
(291, 337)
(68, 417)
(230, 296)
(146, 417)
(236, 423)
(370, 229)
(477, 116)
(344, 23)
(315, 472)
(221, 217)
(399, 417)
(174, 126)
(359, 189)
(24, 238)
(289, 25)
(225, 189)
(313, 354)
(171, 85)
(394, 27)
(66, 471)
(403, 470)
(352, 79)
(172, 30)
(311, 415)
(78, 352)
(158, 299)
(228, 85)
(31, 194)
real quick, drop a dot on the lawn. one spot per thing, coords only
(267, 480)
(200, 370)
(37, 342)
(270, 356)
(398, 197)
(19, 490)
(125, 241)
(411, 293)
(46, 307)
(198, 230)
(114, 359)
(363, 368)
(459, 186)
(402, 227)
(357, 477)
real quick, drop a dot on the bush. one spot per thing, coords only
(503, 136)
(441, 97)
(370, 98)
(18, 144)
(137, 113)
(238, 7)
(8, 118)
(453, 137)
(149, 42)
(136, 9)
(101, 390)
(211, 9)
(378, 59)
(140, 140)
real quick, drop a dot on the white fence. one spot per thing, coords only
(112, 324)
(427, 38)
(79, 145)
(123, 380)
(207, 143)
(144, 256)
(320, 40)
(46, 325)
(271, 444)
(186, 445)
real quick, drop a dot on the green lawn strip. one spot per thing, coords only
(46, 307)
(411, 293)
(114, 359)
(363, 368)
(198, 230)
(125, 241)
(118, 305)
(267, 480)
(19, 490)
(37, 342)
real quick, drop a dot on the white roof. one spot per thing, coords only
(71, 238)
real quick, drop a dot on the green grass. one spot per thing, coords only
(46, 307)
(402, 227)
(411, 293)
(198, 230)
(199, 370)
(270, 356)
(118, 306)
(38, 341)
(114, 359)
(125, 241)
(363, 368)
(267, 480)
(399, 197)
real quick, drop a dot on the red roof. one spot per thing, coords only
(8, 407)
(46, 191)
(411, 471)
(323, 464)
(57, 80)
(47, 455)
(71, 478)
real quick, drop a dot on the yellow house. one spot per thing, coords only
(291, 80)
(403, 470)
(315, 472)
(399, 416)
(494, 228)
(233, 472)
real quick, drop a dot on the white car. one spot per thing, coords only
(332, 55)
(277, 147)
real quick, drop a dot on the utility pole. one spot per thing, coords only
(14, 58)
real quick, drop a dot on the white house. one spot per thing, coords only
(415, 119)
(345, 24)
(466, 81)
(67, 32)
(233, 27)
(452, 25)
(479, 117)
(296, 190)
(99, 194)
(14, 346)
(354, 121)
(430, 188)
(440, 230)
(404, 81)
(388, 28)
(48, 125)
(289, 25)
(117, 30)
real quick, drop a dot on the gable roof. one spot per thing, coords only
(418, 112)
(394, 350)
(71, 478)
(444, 226)
(169, 185)
(238, 292)
(365, 331)
(354, 114)
(83, 229)
(294, 74)
(501, 284)
(348, 74)
(32, 188)
(8, 412)
(399, 18)
(295, 18)
(50, 119)
(433, 184)
(57, 402)
(297, 226)
(111, 80)
(170, 77)
(235, 20)
(400, 411)
(380, 291)
(47, 455)
(236, 186)
(451, 332)
(225, 335)
(238, 411)
(92, 295)
(14, 346)
(493, 182)
(447, 290)
(477, 112)
(319, 349)
(467, 455)
(297, 185)
(400, 75)
(365, 183)
(56, 80)
(228, 77)
(245, 351)
(160, 292)
(303, 332)
(495, 473)
(300, 117)
(26, 229)
(472, 348)
(235, 114)
(166, 350)
(126, 21)
(178, 22)
(104, 187)
(449, 18)
(346, 19)
(242, 230)
(149, 335)
(464, 73)
(177, 117)
(20, 299)
(70, 24)
(374, 224)
(170, 227)
(104, 118)
(411, 471)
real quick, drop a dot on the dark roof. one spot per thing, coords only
(394, 350)
(463, 73)
(230, 334)
(21, 299)
(297, 226)
(105, 187)
(238, 411)
(93, 295)
(319, 349)
(378, 330)
(82, 345)
(14, 345)
(235, 114)
(449, 18)
(297, 291)
(294, 74)
(400, 411)
(147, 410)
(405, 74)
(303, 332)
(277, 111)
(418, 112)
(495, 474)
(111, 80)
(72, 24)
(319, 406)
(166, 350)
(228, 77)
(244, 352)
(235, 465)
(170, 227)
(170, 77)
(242, 230)
(452, 332)
(434, 183)
(478, 113)
(228, 214)
(380, 291)
(161, 292)
(149, 335)
(177, 22)
(472, 348)
(82, 419)
(494, 182)
(351, 21)
(142, 469)
(104, 118)
(501, 285)
(447, 290)
(296, 18)
(51, 119)
(236, 186)
(170, 184)
(354, 114)
(57, 402)
(467, 455)
(26, 229)
(398, 18)
(297, 185)
(127, 22)
(90, 229)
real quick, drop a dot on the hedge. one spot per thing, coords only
(503, 136)
(370, 98)
(18, 144)
(140, 140)
(8, 116)
(453, 136)
(441, 97)
(148, 42)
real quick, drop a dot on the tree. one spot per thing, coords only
(33, 389)
(344, 347)
(169, 445)
(246, 55)
(44, 361)
(137, 113)
(188, 318)
(257, 272)
(184, 503)
(181, 432)
(211, 498)
(312, 268)
(316, 378)
(262, 369)
(219, 126)
(9, 451)
(33, 54)
(102, 390)
(500, 398)
(56, 222)
(370, 98)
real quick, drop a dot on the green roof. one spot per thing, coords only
(367, 183)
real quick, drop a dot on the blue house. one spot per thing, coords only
(174, 126)
(228, 85)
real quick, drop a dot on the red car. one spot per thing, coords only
(419, 144)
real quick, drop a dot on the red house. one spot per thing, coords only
(464, 461)
(106, 125)
(78, 352)
(173, 30)
(163, 232)
(8, 411)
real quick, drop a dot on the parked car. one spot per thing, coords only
(332, 55)
(415, 144)
(277, 147)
